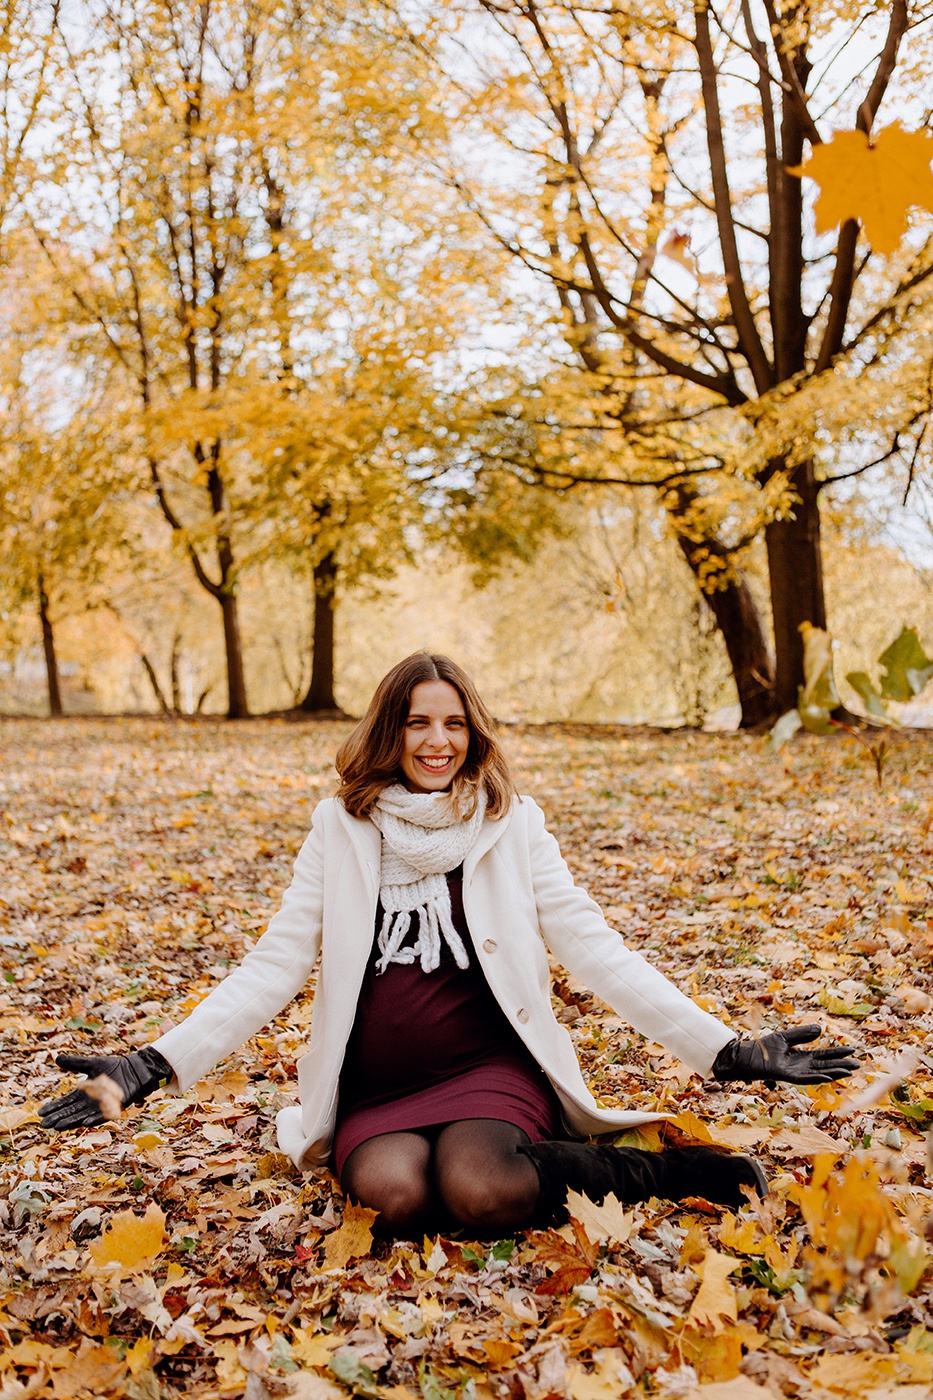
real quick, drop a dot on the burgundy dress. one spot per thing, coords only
(429, 1048)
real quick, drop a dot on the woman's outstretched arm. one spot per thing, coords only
(575, 930)
(246, 1000)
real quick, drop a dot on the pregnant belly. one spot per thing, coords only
(414, 1028)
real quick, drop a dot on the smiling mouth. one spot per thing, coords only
(435, 765)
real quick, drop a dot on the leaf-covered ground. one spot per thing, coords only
(177, 1253)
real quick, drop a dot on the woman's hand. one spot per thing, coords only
(772, 1056)
(135, 1076)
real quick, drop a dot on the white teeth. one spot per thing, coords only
(434, 762)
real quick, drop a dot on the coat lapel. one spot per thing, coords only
(489, 834)
(365, 839)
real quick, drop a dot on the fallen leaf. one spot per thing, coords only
(610, 1377)
(715, 1298)
(805, 1141)
(96, 1369)
(314, 1348)
(607, 1221)
(130, 1240)
(352, 1239)
(500, 1353)
(741, 1388)
(853, 1373)
(11, 1118)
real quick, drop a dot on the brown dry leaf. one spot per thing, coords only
(715, 1299)
(805, 1141)
(95, 1369)
(853, 1373)
(12, 1118)
(227, 1087)
(131, 1241)
(352, 1240)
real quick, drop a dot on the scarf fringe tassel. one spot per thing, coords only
(434, 919)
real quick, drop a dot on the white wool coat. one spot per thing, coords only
(519, 899)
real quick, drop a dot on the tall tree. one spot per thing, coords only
(230, 158)
(647, 176)
(62, 479)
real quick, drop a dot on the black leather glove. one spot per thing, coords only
(136, 1075)
(772, 1057)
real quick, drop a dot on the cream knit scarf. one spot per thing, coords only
(423, 837)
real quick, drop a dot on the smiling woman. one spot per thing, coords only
(436, 737)
(438, 1083)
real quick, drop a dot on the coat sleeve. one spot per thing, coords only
(266, 980)
(574, 929)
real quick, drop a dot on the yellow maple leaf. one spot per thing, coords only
(740, 1237)
(314, 1348)
(601, 1222)
(715, 1298)
(875, 181)
(500, 1352)
(130, 1240)
(718, 1358)
(353, 1238)
(138, 1355)
(690, 1124)
(609, 1378)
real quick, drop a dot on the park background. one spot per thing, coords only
(590, 342)
(333, 332)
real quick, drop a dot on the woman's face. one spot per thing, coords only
(436, 737)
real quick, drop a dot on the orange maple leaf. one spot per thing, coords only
(352, 1240)
(875, 181)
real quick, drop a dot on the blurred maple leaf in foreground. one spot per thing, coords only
(875, 181)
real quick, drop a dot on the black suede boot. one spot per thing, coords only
(632, 1175)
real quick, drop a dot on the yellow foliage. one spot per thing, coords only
(852, 1222)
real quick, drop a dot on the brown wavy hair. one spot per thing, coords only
(370, 759)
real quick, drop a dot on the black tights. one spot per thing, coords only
(470, 1172)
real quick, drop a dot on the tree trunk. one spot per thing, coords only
(795, 570)
(739, 621)
(164, 706)
(48, 646)
(237, 707)
(320, 694)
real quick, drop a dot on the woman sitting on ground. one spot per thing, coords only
(438, 1084)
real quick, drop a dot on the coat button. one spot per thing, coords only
(522, 1015)
(490, 945)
